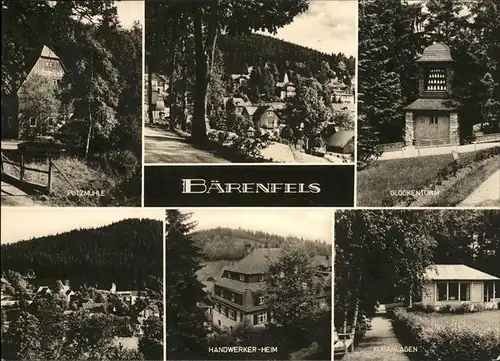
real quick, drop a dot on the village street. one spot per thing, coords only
(12, 196)
(161, 146)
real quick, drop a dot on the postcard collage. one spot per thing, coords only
(250, 180)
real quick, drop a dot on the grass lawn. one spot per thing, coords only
(73, 174)
(376, 182)
(482, 320)
(465, 186)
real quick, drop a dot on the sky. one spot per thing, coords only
(130, 11)
(307, 223)
(23, 223)
(328, 26)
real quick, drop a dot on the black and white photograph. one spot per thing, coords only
(429, 104)
(245, 82)
(417, 285)
(72, 103)
(82, 284)
(246, 284)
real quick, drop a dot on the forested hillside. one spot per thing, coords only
(229, 243)
(125, 252)
(257, 50)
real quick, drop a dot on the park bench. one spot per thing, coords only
(342, 344)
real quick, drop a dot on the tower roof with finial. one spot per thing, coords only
(437, 52)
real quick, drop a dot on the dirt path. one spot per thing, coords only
(487, 194)
(379, 344)
(161, 146)
(13, 196)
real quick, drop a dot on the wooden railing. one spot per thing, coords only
(20, 179)
(22, 182)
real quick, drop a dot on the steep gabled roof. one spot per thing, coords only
(251, 110)
(48, 53)
(456, 272)
(261, 110)
(256, 262)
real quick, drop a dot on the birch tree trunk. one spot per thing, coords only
(150, 95)
(89, 134)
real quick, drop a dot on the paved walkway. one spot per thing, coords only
(423, 152)
(161, 146)
(487, 194)
(379, 344)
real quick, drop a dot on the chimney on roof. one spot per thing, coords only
(248, 248)
(113, 288)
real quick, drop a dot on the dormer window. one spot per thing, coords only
(242, 278)
(435, 80)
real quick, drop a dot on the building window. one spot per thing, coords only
(260, 301)
(453, 291)
(232, 297)
(9, 122)
(241, 316)
(261, 278)
(262, 317)
(242, 278)
(435, 80)
(231, 314)
(224, 310)
(217, 307)
(464, 291)
(442, 291)
(433, 120)
(32, 122)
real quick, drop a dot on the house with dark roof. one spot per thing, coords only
(285, 89)
(14, 125)
(341, 142)
(265, 117)
(239, 292)
(432, 119)
(340, 91)
(458, 283)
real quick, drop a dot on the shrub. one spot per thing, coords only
(240, 146)
(120, 162)
(446, 340)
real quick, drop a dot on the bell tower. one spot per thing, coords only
(431, 120)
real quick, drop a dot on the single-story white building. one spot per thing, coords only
(457, 283)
